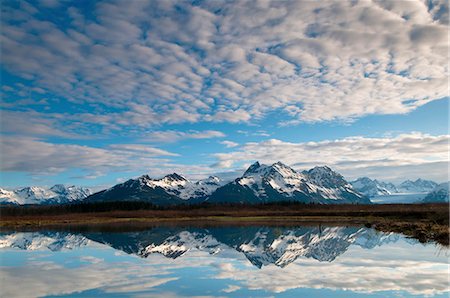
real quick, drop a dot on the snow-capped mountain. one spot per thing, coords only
(58, 194)
(372, 188)
(260, 245)
(278, 182)
(439, 194)
(418, 186)
(169, 190)
(259, 184)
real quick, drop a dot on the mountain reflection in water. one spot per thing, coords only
(260, 245)
(308, 259)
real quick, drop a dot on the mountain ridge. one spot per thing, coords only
(372, 188)
(57, 194)
(260, 183)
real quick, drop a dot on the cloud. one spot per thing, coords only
(34, 155)
(229, 144)
(231, 289)
(169, 136)
(148, 63)
(404, 156)
(30, 123)
(38, 158)
(141, 149)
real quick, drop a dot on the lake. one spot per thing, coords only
(399, 198)
(308, 261)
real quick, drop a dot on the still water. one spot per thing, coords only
(221, 262)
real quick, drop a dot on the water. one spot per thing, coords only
(221, 261)
(400, 198)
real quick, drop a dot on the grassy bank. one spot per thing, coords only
(426, 222)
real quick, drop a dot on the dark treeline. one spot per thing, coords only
(84, 207)
(13, 210)
(226, 209)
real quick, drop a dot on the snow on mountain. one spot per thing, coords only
(8, 197)
(57, 194)
(332, 185)
(278, 182)
(372, 188)
(418, 186)
(260, 183)
(183, 188)
(439, 194)
(70, 193)
(382, 192)
(279, 176)
(171, 189)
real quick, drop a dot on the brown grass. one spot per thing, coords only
(425, 222)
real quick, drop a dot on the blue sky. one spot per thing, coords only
(97, 92)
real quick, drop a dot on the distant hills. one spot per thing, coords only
(372, 188)
(258, 184)
(58, 194)
(439, 194)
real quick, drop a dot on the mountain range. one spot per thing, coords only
(439, 194)
(259, 184)
(260, 245)
(372, 188)
(57, 194)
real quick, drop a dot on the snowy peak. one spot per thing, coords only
(372, 188)
(9, 197)
(70, 193)
(57, 194)
(167, 190)
(262, 170)
(278, 182)
(252, 169)
(326, 177)
(262, 179)
(174, 178)
(418, 186)
(178, 185)
(211, 180)
(439, 194)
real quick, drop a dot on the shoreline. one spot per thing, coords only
(425, 222)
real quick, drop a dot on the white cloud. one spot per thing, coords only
(211, 62)
(37, 156)
(169, 136)
(229, 144)
(141, 149)
(396, 158)
(231, 289)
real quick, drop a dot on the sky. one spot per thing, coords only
(96, 92)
